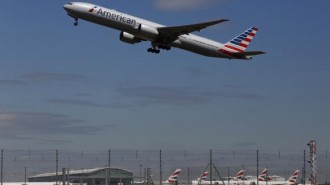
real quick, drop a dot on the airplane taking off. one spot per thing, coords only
(134, 30)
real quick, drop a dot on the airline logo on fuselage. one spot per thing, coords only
(116, 17)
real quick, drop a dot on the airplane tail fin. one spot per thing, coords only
(236, 47)
(174, 176)
(240, 175)
(242, 41)
(203, 177)
(264, 176)
(293, 178)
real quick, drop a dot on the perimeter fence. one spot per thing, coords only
(18, 164)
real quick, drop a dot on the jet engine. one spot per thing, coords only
(128, 38)
(147, 32)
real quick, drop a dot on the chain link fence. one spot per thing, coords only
(18, 163)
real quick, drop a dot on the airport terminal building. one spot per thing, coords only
(95, 176)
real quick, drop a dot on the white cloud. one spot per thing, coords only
(183, 4)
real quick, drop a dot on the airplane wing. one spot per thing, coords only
(173, 32)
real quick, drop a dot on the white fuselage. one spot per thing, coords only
(129, 24)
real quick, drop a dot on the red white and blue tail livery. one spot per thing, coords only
(236, 47)
(174, 176)
(242, 41)
(293, 178)
(240, 175)
(203, 177)
(264, 176)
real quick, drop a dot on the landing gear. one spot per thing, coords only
(153, 50)
(76, 22)
(156, 47)
(166, 47)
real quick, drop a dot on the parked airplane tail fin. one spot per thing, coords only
(240, 175)
(293, 178)
(203, 177)
(242, 41)
(264, 176)
(174, 176)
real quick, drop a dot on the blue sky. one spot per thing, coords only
(82, 88)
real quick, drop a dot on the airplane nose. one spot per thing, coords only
(66, 7)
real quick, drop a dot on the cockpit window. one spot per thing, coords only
(69, 3)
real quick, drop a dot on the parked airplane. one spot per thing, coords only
(293, 178)
(134, 30)
(201, 179)
(264, 176)
(291, 181)
(173, 178)
(240, 175)
(238, 179)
